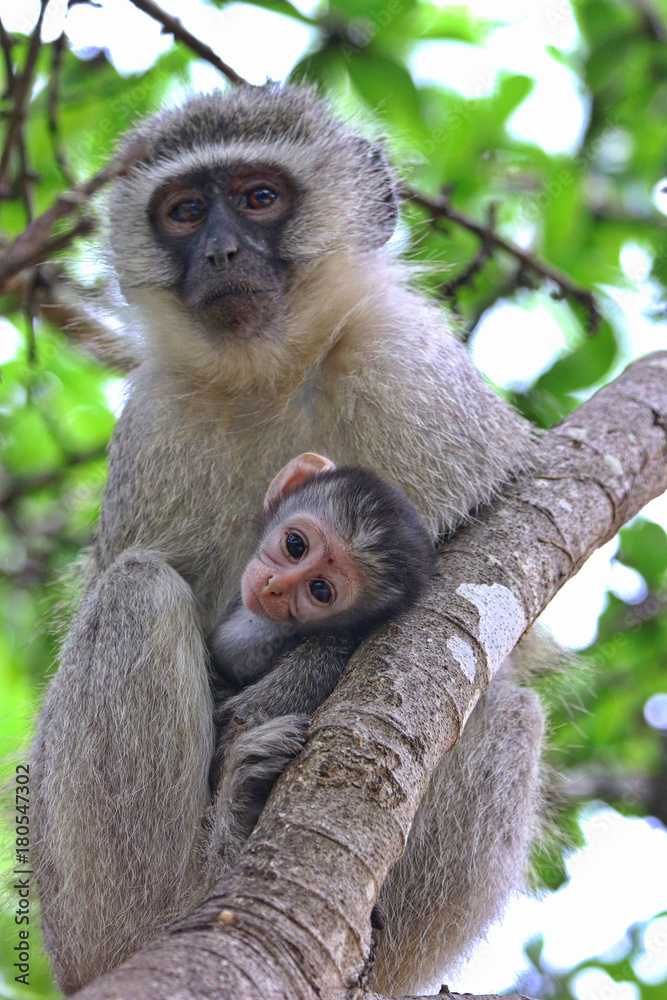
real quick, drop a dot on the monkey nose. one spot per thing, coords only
(220, 257)
(274, 585)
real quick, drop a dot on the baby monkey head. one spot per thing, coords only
(340, 549)
(234, 192)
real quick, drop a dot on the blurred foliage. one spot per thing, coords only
(576, 212)
(629, 972)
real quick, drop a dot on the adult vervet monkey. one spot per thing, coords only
(250, 239)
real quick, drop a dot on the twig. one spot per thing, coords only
(25, 174)
(6, 45)
(519, 278)
(83, 227)
(80, 318)
(440, 208)
(36, 240)
(83, 326)
(20, 93)
(449, 289)
(29, 312)
(172, 26)
(29, 484)
(52, 108)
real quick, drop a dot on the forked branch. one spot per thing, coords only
(441, 208)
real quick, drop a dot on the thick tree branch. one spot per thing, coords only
(292, 918)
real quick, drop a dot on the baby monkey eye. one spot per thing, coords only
(320, 590)
(295, 545)
(261, 197)
(191, 210)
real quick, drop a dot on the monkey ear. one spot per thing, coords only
(385, 202)
(297, 471)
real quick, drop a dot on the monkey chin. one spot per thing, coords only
(236, 314)
(240, 313)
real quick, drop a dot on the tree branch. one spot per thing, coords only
(6, 45)
(21, 87)
(444, 992)
(36, 241)
(449, 289)
(84, 327)
(52, 108)
(292, 918)
(24, 485)
(172, 26)
(440, 208)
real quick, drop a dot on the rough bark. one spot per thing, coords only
(443, 993)
(291, 919)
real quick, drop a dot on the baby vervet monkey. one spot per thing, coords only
(340, 552)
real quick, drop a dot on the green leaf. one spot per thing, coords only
(583, 367)
(644, 548)
(455, 23)
(386, 86)
(276, 6)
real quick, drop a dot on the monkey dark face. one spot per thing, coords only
(222, 230)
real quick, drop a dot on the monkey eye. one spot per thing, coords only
(295, 545)
(190, 210)
(261, 197)
(321, 591)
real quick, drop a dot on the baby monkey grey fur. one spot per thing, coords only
(344, 358)
(385, 538)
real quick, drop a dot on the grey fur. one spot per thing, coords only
(258, 754)
(467, 862)
(245, 646)
(361, 368)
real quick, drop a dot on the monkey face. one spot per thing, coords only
(222, 229)
(302, 574)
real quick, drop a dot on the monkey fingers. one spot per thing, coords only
(252, 761)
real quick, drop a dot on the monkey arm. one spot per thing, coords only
(298, 685)
(120, 769)
(255, 756)
(273, 717)
(419, 413)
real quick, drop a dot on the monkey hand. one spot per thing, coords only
(262, 748)
(257, 755)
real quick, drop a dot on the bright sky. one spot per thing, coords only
(618, 879)
(512, 346)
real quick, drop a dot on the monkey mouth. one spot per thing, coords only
(254, 603)
(229, 293)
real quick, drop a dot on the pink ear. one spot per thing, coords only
(296, 472)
